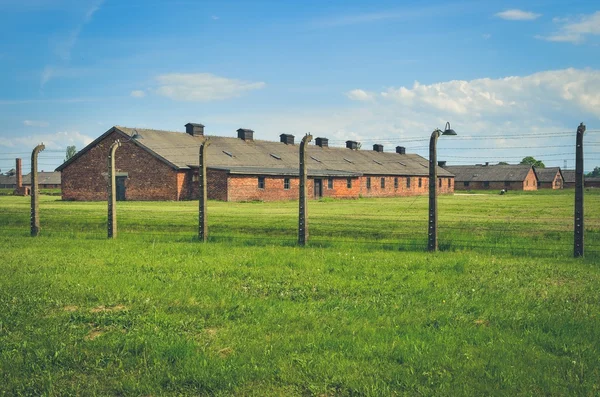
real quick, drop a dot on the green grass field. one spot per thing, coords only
(503, 309)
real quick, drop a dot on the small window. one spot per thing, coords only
(440, 182)
(449, 182)
(261, 182)
(286, 183)
(275, 156)
(401, 163)
(349, 161)
(330, 183)
(316, 159)
(506, 183)
(228, 153)
(195, 178)
(349, 183)
(383, 183)
(526, 183)
(486, 184)
(396, 183)
(377, 162)
(420, 182)
(466, 184)
(368, 182)
(408, 182)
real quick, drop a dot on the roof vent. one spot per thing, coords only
(378, 148)
(352, 145)
(287, 139)
(245, 134)
(400, 150)
(194, 129)
(323, 142)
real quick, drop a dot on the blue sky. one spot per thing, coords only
(509, 76)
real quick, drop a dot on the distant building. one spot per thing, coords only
(163, 165)
(591, 181)
(8, 182)
(46, 180)
(485, 177)
(569, 178)
(549, 178)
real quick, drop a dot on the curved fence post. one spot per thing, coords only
(579, 183)
(202, 193)
(35, 204)
(302, 218)
(112, 191)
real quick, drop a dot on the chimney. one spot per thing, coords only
(323, 142)
(441, 164)
(194, 129)
(487, 163)
(245, 134)
(400, 150)
(352, 145)
(287, 139)
(18, 174)
(378, 148)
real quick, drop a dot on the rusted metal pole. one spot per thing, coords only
(35, 191)
(432, 241)
(303, 218)
(202, 192)
(578, 243)
(112, 191)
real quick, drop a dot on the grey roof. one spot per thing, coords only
(180, 150)
(7, 180)
(489, 173)
(592, 179)
(44, 178)
(547, 174)
(569, 176)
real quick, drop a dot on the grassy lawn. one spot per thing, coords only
(503, 309)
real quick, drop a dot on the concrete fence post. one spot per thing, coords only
(202, 193)
(432, 232)
(35, 191)
(112, 191)
(303, 218)
(578, 243)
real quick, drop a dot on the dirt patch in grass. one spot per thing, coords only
(102, 309)
(93, 334)
(70, 308)
(482, 323)
(223, 353)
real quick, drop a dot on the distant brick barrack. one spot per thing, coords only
(163, 165)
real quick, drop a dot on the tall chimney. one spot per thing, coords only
(287, 139)
(441, 164)
(18, 174)
(487, 163)
(378, 148)
(245, 134)
(400, 150)
(352, 145)
(323, 142)
(194, 129)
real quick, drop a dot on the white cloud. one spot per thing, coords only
(486, 36)
(202, 87)
(518, 15)
(360, 95)
(214, 17)
(575, 30)
(138, 93)
(35, 123)
(58, 140)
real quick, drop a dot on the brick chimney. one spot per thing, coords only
(18, 174)
(400, 150)
(245, 134)
(287, 139)
(378, 148)
(194, 129)
(323, 142)
(441, 164)
(352, 145)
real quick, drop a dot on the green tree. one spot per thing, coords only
(71, 150)
(503, 163)
(596, 172)
(529, 160)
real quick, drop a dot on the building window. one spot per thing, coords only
(349, 183)
(261, 182)
(526, 183)
(440, 182)
(466, 184)
(383, 183)
(396, 183)
(486, 184)
(420, 182)
(330, 183)
(408, 182)
(286, 183)
(195, 178)
(449, 182)
(368, 182)
(506, 183)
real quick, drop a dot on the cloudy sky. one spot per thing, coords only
(513, 78)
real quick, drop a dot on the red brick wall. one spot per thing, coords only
(530, 183)
(216, 188)
(555, 184)
(403, 190)
(148, 178)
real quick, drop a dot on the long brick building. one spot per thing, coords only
(163, 165)
(484, 177)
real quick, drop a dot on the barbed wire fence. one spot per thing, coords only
(537, 223)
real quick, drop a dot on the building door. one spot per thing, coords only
(318, 188)
(121, 188)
